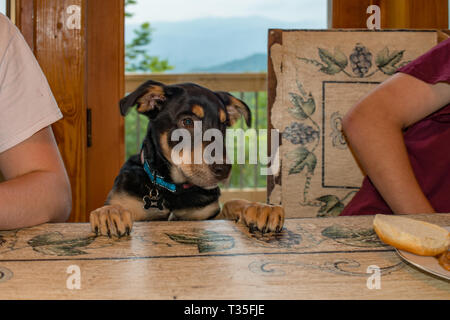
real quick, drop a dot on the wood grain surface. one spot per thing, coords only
(105, 78)
(310, 259)
(84, 66)
(398, 14)
(61, 52)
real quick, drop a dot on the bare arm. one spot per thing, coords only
(374, 130)
(37, 189)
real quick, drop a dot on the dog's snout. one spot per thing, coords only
(221, 171)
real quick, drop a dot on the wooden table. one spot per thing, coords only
(318, 258)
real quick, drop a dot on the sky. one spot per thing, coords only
(2, 6)
(179, 10)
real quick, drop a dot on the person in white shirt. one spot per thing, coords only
(36, 189)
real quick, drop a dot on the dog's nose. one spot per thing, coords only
(221, 171)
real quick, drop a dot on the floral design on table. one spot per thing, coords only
(56, 244)
(361, 61)
(284, 239)
(5, 274)
(363, 238)
(298, 238)
(205, 240)
(53, 243)
(346, 267)
(8, 241)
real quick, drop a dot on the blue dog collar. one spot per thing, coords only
(158, 180)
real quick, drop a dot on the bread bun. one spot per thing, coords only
(418, 237)
(444, 260)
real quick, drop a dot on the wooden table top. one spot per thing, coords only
(323, 258)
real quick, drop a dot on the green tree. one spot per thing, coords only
(137, 58)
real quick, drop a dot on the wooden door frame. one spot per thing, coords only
(91, 135)
(106, 75)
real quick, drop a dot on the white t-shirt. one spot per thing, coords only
(27, 104)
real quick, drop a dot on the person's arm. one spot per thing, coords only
(37, 189)
(374, 127)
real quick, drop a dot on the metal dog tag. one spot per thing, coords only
(153, 200)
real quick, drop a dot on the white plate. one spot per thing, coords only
(428, 264)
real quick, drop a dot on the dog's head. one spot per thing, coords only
(177, 110)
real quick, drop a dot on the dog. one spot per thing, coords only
(152, 186)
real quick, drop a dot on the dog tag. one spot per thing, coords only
(153, 200)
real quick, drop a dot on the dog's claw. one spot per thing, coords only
(111, 221)
(119, 235)
(264, 230)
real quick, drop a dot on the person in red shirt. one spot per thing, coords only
(400, 135)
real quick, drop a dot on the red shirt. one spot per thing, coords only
(427, 142)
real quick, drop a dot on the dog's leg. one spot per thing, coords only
(256, 216)
(121, 210)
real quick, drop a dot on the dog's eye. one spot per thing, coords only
(188, 123)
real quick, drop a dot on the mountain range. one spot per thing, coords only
(255, 63)
(215, 44)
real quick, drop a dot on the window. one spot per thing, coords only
(218, 36)
(201, 39)
(3, 6)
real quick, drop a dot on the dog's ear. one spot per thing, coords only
(148, 98)
(235, 108)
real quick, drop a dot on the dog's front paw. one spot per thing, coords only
(256, 216)
(111, 220)
(263, 217)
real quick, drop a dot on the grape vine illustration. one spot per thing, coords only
(361, 64)
(305, 134)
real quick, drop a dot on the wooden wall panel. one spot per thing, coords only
(24, 19)
(84, 66)
(105, 41)
(61, 52)
(395, 14)
(350, 13)
(416, 14)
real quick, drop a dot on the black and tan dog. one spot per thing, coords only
(151, 186)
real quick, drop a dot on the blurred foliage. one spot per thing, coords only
(248, 175)
(137, 58)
